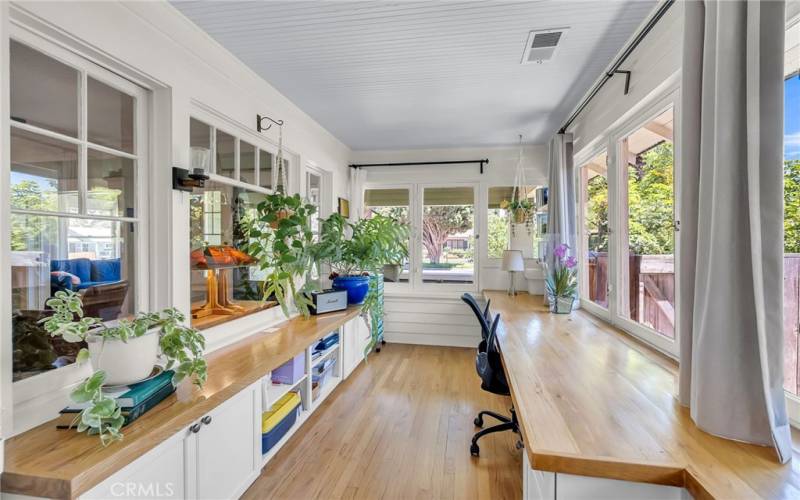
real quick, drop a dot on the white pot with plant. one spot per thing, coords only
(121, 353)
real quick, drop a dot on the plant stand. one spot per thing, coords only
(217, 302)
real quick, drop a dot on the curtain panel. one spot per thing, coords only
(561, 196)
(731, 213)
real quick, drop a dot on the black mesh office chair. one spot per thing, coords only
(489, 366)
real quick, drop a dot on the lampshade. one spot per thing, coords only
(512, 260)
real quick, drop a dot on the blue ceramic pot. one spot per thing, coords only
(356, 287)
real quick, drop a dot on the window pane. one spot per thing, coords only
(91, 257)
(649, 271)
(448, 248)
(265, 169)
(44, 92)
(594, 199)
(284, 172)
(200, 144)
(112, 185)
(44, 173)
(504, 223)
(110, 114)
(791, 221)
(247, 162)
(226, 154)
(224, 284)
(390, 203)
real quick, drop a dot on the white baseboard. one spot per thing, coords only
(428, 339)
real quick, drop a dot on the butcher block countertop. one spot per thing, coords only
(50, 462)
(593, 401)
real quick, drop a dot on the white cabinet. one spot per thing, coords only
(218, 456)
(157, 474)
(225, 460)
(543, 485)
(356, 339)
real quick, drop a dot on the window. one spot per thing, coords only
(75, 198)
(392, 203)
(500, 233)
(448, 242)
(648, 239)
(791, 223)
(313, 194)
(225, 284)
(594, 230)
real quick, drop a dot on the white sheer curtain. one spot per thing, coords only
(731, 194)
(358, 176)
(561, 196)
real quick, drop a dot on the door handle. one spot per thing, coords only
(195, 428)
(206, 420)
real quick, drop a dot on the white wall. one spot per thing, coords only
(154, 45)
(654, 65)
(439, 317)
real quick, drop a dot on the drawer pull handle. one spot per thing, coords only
(195, 428)
(206, 420)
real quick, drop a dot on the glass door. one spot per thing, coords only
(594, 231)
(646, 302)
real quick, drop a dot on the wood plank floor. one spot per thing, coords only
(398, 428)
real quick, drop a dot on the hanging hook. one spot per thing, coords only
(260, 119)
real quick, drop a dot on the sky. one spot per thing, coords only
(791, 114)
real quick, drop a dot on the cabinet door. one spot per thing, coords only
(226, 458)
(159, 473)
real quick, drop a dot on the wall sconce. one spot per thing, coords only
(183, 180)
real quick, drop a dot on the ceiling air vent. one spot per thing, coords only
(541, 45)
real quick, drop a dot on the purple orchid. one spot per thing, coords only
(571, 262)
(561, 250)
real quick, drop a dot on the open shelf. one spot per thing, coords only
(266, 457)
(326, 390)
(325, 355)
(277, 391)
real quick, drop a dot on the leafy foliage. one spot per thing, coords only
(562, 281)
(497, 233)
(651, 202)
(280, 238)
(182, 347)
(439, 222)
(791, 198)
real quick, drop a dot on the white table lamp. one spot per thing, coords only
(513, 263)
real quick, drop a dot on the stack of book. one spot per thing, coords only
(325, 344)
(135, 399)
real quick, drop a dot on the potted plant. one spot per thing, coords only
(353, 251)
(562, 282)
(122, 352)
(521, 211)
(280, 239)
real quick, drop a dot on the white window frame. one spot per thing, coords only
(582, 159)
(31, 393)
(617, 181)
(419, 205)
(412, 237)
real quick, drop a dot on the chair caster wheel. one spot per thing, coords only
(377, 349)
(383, 342)
(474, 450)
(478, 422)
(519, 445)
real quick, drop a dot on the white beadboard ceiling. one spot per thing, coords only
(402, 75)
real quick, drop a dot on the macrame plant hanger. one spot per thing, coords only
(279, 167)
(519, 192)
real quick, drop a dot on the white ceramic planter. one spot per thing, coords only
(124, 362)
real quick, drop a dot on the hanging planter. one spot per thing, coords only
(521, 207)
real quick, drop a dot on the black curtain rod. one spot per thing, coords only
(621, 59)
(483, 162)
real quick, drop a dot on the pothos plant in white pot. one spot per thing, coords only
(123, 352)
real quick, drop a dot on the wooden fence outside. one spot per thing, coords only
(652, 287)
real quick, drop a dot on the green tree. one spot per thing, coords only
(28, 195)
(650, 202)
(597, 213)
(791, 198)
(497, 233)
(439, 222)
